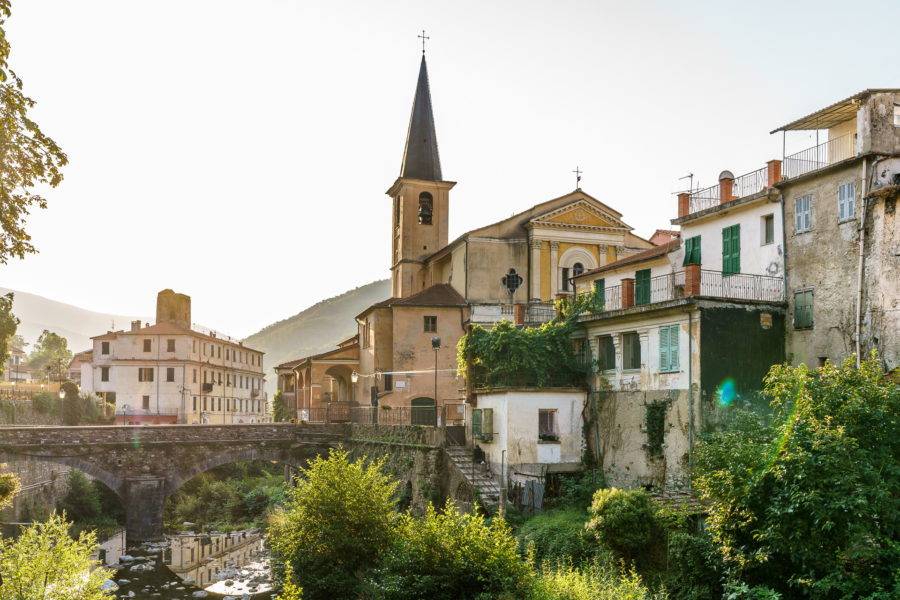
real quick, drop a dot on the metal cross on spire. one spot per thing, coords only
(424, 37)
(578, 173)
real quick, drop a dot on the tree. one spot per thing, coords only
(51, 349)
(9, 487)
(82, 502)
(44, 563)
(71, 404)
(625, 522)
(808, 502)
(448, 555)
(17, 341)
(336, 523)
(8, 325)
(27, 156)
(279, 409)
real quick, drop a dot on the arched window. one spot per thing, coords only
(426, 208)
(577, 269)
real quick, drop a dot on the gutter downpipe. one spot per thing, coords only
(690, 391)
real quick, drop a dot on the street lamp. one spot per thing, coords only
(436, 345)
(62, 395)
(124, 414)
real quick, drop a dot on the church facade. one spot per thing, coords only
(513, 269)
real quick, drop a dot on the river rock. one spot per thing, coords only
(126, 558)
(109, 586)
(124, 581)
(200, 594)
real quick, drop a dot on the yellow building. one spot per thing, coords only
(512, 269)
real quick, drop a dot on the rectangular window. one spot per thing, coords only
(220, 405)
(195, 375)
(803, 309)
(600, 291)
(219, 353)
(430, 324)
(388, 381)
(802, 214)
(606, 353)
(204, 376)
(668, 348)
(170, 374)
(227, 404)
(631, 351)
(145, 402)
(195, 404)
(896, 115)
(547, 426)
(642, 287)
(104, 373)
(170, 345)
(846, 201)
(768, 229)
(731, 250)
(145, 374)
(204, 404)
(194, 346)
(147, 345)
(220, 378)
(565, 279)
(692, 251)
(104, 347)
(228, 379)
(483, 424)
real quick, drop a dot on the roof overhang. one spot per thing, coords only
(832, 115)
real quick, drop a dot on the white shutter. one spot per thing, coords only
(663, 349)
(673, 347)
(842, 202)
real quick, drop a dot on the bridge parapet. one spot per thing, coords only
(168, 434)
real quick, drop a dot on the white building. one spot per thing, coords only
(170, 373)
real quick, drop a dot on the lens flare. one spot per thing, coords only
(725, 393)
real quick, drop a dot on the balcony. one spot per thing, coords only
(532, 314)
(729, 189)
(821, 156)
(713, 284)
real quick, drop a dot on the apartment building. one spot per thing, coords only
(170, 373)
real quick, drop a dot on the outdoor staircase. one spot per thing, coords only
(476, 474)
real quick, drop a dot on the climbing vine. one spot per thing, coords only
(656, 426)
(507, 356)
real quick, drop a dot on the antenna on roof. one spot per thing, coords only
(113, 325)
(690, 183)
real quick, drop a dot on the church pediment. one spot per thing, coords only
(580, 214)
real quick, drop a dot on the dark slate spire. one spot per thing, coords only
(420, 158)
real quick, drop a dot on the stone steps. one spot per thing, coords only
(488, 489)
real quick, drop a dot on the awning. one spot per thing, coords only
(832, 115)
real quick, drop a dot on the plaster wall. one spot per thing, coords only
(516, 431)
(489, 261)
(824, 260)
(757, 257)
(627, 462)
(662, 265)
(875, 118)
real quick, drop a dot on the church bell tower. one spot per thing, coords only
(420, 197)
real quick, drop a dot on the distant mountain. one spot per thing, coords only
(77, 325)
(316, 329)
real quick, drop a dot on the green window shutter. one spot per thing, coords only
(673, 347)
(663, 349)
(642, 287)
(476, 423)
(803, 310)
(601, 292)
(731, 250)
(695, 251)
(688, 251)
(487, 424)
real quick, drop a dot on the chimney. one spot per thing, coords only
(684, 204)
(135, 326)
(774, 172)
(726, 187)
(173, 308)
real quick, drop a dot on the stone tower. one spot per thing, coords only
(420, 197)
(173, 308)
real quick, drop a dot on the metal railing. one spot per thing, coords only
(741, 286)
(612, 298)
(744, 185)
(750, 183)
(539, 313)
(819, 157)
(665, 287)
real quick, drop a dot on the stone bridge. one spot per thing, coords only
(144, 465)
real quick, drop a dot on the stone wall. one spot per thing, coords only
(412, 456)
(43, 485)
(25, 414)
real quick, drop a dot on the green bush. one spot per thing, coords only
(45, 403)
(558, 535)
(592, 581)
(447, 555)
(626, 523)
(578, 489)
(695, 568)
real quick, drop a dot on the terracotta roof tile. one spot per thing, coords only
(440, 294)
(647, 254)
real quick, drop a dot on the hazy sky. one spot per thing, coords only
(239, 151)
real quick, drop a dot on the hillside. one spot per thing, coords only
(316, 329)
(77, 325)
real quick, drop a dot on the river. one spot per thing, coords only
(187, 565)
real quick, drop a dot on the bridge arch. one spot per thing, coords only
(113, 482)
